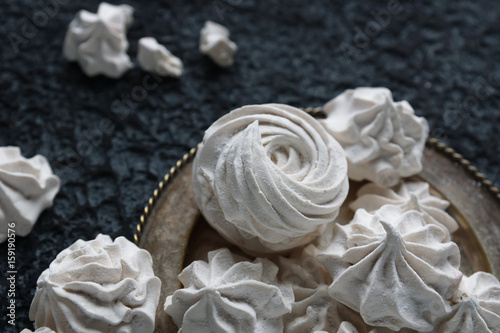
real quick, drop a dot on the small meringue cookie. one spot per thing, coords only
(39, 330)
(409, 196)
(477, 307)
(229, 294)
(27, 187)
(269, 178)
(347, 327)
(155, 58)
(394, 269)
(98, 42)
(98, 286)
(215, 42)
(383, 139)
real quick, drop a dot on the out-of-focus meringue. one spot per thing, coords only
(229, 294)
(98, 42)
(395, 269)
(383, 139)
(477, 307)
(215, 42)
(409, 196)
(155, 58)
(39, 330)
(27, 187)
(98, 286)
(269, 178)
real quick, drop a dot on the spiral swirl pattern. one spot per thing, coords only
(269, 177)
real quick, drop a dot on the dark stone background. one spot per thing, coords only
(441, 56)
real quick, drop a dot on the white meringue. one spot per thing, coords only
(27, 187)
(215, 42)
(155, 58)
(409, 196)
(396, 270)
(313, 309)
(229, 294)
(269, 178)
(98, 42)
(39, 330)
(478, 306)
(383, 140)
(98, 286)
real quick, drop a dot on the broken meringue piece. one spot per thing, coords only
(215, 42)
(39, 330)
(98, 42)
(155, 58)
(230, 294)
(27, 187)
(383, 139)
(98, 286)
(269, 178)
(394, 269)
(477, 307)
(409, 196)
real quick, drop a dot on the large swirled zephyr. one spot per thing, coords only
(269, 178)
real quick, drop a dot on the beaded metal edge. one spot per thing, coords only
(315, 112)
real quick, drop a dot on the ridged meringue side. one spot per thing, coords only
(229, 294)
(477, 307)
(98, 286)
(27, 187)
(98, 42)
(395, 269)
(409, 196)
(383, 139)
(269, 178)
(39, 330)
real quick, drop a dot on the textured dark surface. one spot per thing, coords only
(441, 56)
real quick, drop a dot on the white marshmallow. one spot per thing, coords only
(269, 178)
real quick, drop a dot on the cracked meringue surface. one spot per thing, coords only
(215, 42)
(477, 306)
(269, 178)
(98, 41)
(229, 294)
(383, 139)
(98, 286)
(409, 196)
(154, 57)
(27, 187)
(395, 269)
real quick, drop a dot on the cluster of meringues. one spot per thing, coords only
(272, 179)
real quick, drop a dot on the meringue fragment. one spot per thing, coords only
(229, 294)
(269, 178)
(27, 187)
(394, 269)
(215, 42)
(98, 286)
(409, 196)
(383, 139)
(98, 42)
(155, 58)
